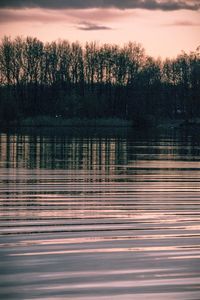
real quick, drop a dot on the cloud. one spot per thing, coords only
(184, 23)
(166, 5)
(91, 26)
(76, 16)
(31, 15)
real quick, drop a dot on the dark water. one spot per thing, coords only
(102, 214)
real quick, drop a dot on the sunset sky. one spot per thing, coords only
(163, 27)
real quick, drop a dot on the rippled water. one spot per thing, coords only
(99, 215)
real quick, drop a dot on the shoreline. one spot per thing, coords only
(56, 122)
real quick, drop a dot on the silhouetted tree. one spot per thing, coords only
(67, 79)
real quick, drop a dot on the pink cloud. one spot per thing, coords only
(51, 16)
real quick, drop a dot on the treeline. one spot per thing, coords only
(94, 81)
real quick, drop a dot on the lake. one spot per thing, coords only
(99, 214)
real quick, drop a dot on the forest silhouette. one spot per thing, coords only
(93, 81)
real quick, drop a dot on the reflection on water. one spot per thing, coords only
(112, 214)
(52, 150)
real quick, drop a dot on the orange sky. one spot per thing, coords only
(163, 32)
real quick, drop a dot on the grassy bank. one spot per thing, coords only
(137, 122)
(178, 123)
(41, 121)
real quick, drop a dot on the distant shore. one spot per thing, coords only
(70, 84)
(58, 121)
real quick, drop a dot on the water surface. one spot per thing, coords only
(99, 214)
